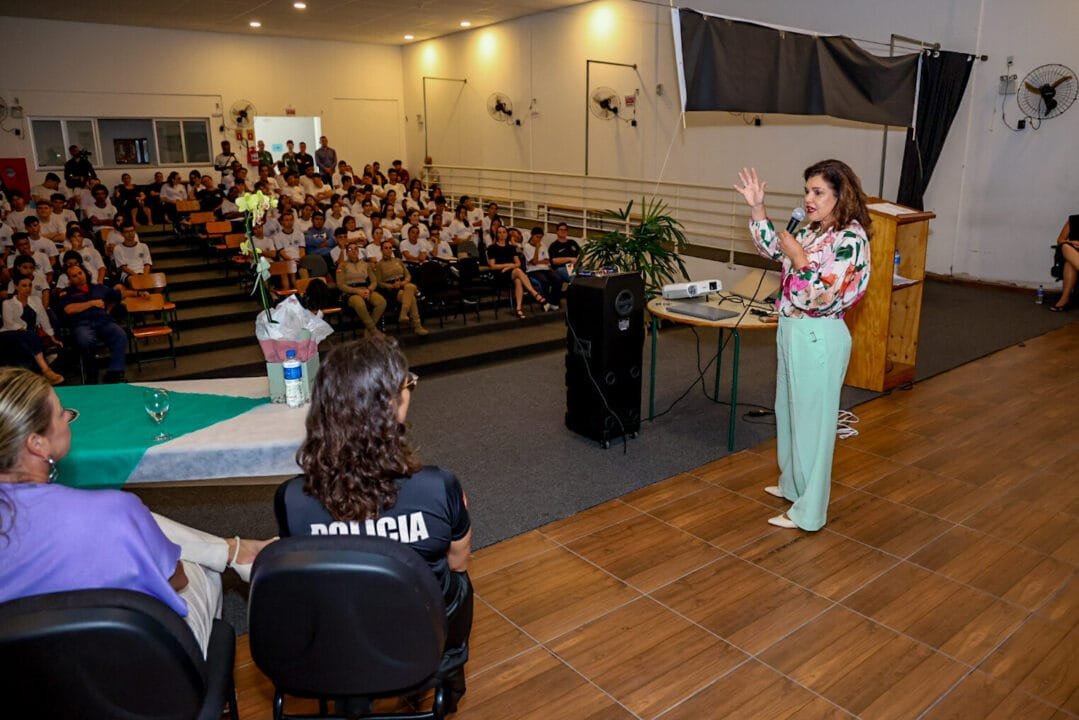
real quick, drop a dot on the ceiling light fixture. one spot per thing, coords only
(299, 5)
(466, 23)
(410, 37)
(255, 24)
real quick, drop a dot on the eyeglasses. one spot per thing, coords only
(69, 415)
(410, 381)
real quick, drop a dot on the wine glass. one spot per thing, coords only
(156, 402)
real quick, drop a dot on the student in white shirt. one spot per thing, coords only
(373, 251)
(290, 245)
(25, 265)
(293, 189)
(303, 220)
(60, 210)
(101, 212)
(335, 218)
(414, 221)
(475, 217)
(413, 248)
(132, 257)
(441, 250)
(26, 339)
(38, 243)
(390, 222)
(91, 258)
(24, 249)
(460, 229)
(491, 214)
(16, 217)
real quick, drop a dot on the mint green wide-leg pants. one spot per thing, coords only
(813, 354)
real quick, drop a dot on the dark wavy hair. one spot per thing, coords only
(355, 450)
(850, 198)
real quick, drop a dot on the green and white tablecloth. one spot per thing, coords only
(220, 429)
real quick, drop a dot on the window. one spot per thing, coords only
(127, 141)
(120, 142)
(49, 147)
(183, 141)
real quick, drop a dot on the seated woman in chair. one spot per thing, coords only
(360, 477)
(504, 260)
(56, 538)
(1068, 241)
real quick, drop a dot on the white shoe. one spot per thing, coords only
(782, 521)
(550, 308)
(774, 491)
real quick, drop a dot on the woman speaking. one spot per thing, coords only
(825, 273)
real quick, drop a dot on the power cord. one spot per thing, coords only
(843, 426)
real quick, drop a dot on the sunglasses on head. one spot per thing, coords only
(410, 381)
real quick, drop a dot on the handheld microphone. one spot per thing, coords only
(797, 216)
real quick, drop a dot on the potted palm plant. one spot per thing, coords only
(649, 245)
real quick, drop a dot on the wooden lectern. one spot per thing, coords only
(884, 325)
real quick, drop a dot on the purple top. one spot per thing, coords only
(68, 539)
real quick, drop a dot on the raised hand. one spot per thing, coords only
(752, 188)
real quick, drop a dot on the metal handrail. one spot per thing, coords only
(712, 217)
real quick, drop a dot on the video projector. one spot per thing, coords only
(682, 291)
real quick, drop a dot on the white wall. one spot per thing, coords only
(1000, 196)
(75, 69)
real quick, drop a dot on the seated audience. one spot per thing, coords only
(395, 280)
(414, 249)
(538, 269)
(25, 325)
(50, 186)
(503, 259)
(23, 249)
(563, 252)
(1068, 241)
(84, 307)
(131, 256)
(56, 538)
(357, 282)
(360, 476)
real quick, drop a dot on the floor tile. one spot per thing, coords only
(1040, 658)
(825, 562)
(719, 517)
(497, 556)
(552, 593)
(863, 667)
(856, 468)
(755, 692)
(645, 552)
(1014, 573)
(928, 492)
(1063, 606)
(665, 491)
(743, 604)
(588, 521)
(889, 526)
(649, 671)
(1030, 525)
(493, 639)
(732, 466)
(980, 696)
(1045, 490)
(536, 686)
(954, 618)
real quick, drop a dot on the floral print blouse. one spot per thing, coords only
(835, 278)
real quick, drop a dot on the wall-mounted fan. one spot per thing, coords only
(500, 107)
(605, 102)
(1047, 91)
(242, 115)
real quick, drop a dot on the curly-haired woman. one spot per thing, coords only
(360, 478)
(825, 273)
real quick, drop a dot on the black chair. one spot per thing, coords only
(433, 278)
(348, 618)
(110, 654)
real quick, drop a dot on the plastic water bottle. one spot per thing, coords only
(1040, 297)
(293, 380)
(897, 259)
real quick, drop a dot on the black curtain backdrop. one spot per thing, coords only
(744, 67)
(943, 82)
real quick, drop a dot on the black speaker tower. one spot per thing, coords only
(605, 344)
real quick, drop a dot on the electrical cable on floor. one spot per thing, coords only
(843, 426)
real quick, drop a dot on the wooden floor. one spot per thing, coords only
(943, 586)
